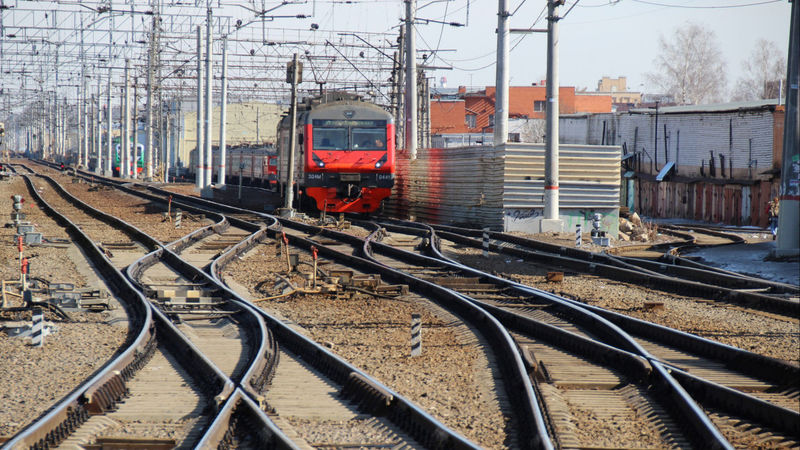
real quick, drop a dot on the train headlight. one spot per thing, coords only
(382, 161)
(317, 160)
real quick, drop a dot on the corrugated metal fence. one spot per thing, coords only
(479, 186)
(589, 176)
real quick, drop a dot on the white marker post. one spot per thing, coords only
(37, 328)
(416, 334)
(578, 235)
(486, 242)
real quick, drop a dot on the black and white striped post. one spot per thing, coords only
(416, 334)
(486, 242)
(37, 328)
(178, 217)
(578, 235)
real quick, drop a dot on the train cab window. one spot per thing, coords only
(330, 138)
(369, 138)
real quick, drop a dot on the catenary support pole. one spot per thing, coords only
(98, 148)
(199, 179)
(135, 150)
(109, 127)
(148, 139)
(501, 94)
(411, 81)
(788, 242)
(551, 221)
(125, 142)
(223, 106)
(289, 190)
(207, 165)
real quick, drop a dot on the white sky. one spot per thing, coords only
(597, 38)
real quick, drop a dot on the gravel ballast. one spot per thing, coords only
(449, 380)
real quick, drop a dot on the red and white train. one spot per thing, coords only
(345, 154)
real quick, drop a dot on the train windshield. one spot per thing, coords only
(330, 139)
(333, 134)
(369, 138)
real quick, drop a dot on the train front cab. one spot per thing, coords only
(349, 157)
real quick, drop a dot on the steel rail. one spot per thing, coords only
(687, 411)
(107, 386)
(771, 369)
(213, 380)
(264, 354)
(369, 393)
(242, 415)
(604, 265)
(774, 370)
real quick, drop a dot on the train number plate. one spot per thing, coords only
(350, 177)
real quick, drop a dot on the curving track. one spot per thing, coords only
(168, 380)
(557, 336)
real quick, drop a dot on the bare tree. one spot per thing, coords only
(530, 130)
(764, 73)
(690, 66)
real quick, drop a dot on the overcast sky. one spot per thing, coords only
(597, 37)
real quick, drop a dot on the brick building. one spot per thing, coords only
(473, 112)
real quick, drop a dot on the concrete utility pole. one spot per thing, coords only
(401, 102)
(199, 178)
(501, 93)
(98, 149)
(289, 190)
(109, 144)
(86, 116)
(551, 220)
(223, 106)
(411, 81)
(788, 243)
(125, 142)
(167, 139)
(135, 150)
(148, 140)
(93, 129)
(209, 104)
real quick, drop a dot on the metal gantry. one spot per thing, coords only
(61, 64)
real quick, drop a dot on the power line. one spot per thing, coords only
(743, 5)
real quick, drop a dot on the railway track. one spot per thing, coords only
(672, 274)
(685, 354)
(578, 379)
(719, 397)
(154, 378)
(408, 425)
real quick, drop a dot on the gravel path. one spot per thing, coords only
(449, 380)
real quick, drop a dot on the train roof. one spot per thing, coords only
(338, 109)
(348, 110)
